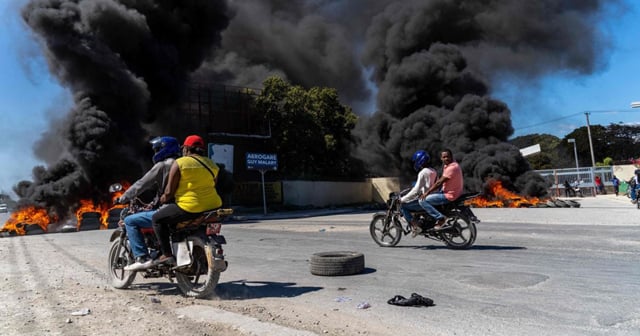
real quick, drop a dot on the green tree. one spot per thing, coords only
(311, 130)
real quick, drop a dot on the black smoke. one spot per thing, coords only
(429, 65)
(126, 62)
(433, 63)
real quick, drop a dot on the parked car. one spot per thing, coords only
(4, 208)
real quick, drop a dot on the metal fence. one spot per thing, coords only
(584, 176)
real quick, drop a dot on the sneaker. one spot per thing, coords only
(634, 201)
(142, 263)
(164, 260)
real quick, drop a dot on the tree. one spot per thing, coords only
(311, 130)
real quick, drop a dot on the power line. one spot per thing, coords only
(573, 115)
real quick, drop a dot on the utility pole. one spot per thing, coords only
(593, 160)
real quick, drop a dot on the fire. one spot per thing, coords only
(28, 215)
(499, 197)
(40, 216)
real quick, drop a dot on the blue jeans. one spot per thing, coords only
(434, 199)
(632, 193)
(132, 224)
(407, 208)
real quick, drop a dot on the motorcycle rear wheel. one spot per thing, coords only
(385, 233)
(119, 257)
(199, 280)
(462, 233)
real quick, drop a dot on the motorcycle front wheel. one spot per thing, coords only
(385, 231)
(119, 257)
(462, 232)
(199, 279)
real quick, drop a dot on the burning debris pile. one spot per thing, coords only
(33, 219)
(497, 196)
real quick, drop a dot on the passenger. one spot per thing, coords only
(189, 192)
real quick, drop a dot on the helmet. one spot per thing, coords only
(419, 158)
(164, 147)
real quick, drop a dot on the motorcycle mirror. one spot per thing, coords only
(115, 187)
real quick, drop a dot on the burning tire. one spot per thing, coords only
(337, 263)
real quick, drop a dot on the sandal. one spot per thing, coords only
(396, 299)
(424, 301)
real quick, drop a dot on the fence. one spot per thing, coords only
(584, 176)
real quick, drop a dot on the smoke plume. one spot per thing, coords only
(429, 66)
(125, 63)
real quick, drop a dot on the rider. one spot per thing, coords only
(426, 176)
(635, 186)
(191, 186)
(452, 186)
(166, 150)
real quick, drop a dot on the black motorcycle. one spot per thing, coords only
(459, 230)
(197, 247)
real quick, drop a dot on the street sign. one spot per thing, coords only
(262, 161)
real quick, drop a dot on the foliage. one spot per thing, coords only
(616, 143)
(311, 130)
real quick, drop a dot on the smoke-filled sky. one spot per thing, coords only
(476, 72)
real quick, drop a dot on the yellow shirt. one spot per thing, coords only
(196, 190)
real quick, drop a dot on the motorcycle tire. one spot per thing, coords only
(199, 279)
(385, 234)
(462, 233)
(119, 257)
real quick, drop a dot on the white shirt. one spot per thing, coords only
(426, 177)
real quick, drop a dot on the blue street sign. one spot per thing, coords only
(262, 161)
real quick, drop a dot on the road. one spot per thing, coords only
(569, 271)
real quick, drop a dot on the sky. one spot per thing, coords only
(30, 98)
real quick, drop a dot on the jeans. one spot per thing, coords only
(433, 199)
(407, 208)
(132, 224)
(632, 193)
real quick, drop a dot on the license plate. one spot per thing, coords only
(213, 228)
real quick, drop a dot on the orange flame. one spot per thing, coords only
(499, 197)
(28, 215)
(41, 217)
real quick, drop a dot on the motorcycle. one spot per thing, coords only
(459, 230)
(197, 247)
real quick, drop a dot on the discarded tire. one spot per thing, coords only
(337, 263)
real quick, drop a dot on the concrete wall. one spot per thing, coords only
(326, 193)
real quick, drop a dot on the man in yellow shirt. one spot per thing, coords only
(189, 192)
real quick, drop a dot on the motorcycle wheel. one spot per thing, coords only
(462, 233)
(198, 279)
(385, 233)
(119, 257)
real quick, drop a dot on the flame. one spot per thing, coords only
(28, 215)
(41, 217)
(499, 197)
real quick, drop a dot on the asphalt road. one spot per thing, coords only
(560, 271)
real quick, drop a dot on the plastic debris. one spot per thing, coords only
(363, 305)
(82, 312)
(342, 299)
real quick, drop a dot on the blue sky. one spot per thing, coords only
(30, 98)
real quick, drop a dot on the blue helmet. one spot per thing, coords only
(419, 158)
(164, 147)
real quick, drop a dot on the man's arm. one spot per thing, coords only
(435, 186)
(145, 182)
(172, 183)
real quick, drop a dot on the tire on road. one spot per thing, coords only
(337, 263)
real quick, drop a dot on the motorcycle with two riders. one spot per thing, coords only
(197, 246)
